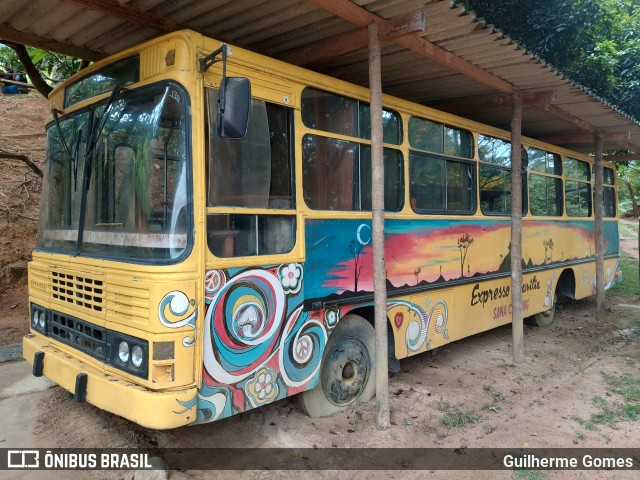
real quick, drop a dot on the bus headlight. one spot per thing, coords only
(123, 352)
(136, 356)
(128, 353)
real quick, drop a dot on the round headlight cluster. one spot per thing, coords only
(129, 354)
(38, 320)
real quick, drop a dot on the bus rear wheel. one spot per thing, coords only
(347, 373)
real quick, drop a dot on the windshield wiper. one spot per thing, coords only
(96, 125)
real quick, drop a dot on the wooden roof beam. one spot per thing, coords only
(362, 17)
(356, 41)
(479, 104)
(630, 157)
(358, 15)
(130, 14)
(585, 138)
(15, 36)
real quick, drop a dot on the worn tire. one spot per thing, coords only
(347, 373)
(543, 319)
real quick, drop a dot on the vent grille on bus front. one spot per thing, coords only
(82, 335)
(81, 291)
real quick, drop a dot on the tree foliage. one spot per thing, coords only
(43, 68)
(594, 42)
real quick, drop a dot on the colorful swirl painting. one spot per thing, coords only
(258, 344)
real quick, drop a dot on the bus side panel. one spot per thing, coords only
(259, 344)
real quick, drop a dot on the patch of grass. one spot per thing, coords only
(629, 228)
(612, 412)
(496, 396)
(529, 475)
(488, 428)
(455, 417)
(629, 288)
(625, 385)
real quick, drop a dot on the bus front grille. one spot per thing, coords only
(80, 290)
(84, 336)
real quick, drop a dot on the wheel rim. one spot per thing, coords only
(345, 371)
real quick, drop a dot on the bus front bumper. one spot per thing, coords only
(152, 409)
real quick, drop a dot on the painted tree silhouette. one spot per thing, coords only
(548, 247)
(464, 243)
(416, 274)
(355, 248)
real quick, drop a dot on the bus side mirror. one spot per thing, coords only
(234, 100)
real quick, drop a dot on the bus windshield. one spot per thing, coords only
(129, 158)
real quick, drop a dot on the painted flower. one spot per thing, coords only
(291, 277)
(262, 388)
(263, 385)
(331, 317)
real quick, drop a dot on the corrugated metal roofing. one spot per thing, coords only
(93, 28)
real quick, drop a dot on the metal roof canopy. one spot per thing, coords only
(433, 53)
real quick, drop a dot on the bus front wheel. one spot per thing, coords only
(543, 319)
(347, 373)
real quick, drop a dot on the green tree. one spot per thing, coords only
(629, 187)
(43, 68)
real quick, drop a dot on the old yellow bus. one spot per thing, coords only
(204, 245)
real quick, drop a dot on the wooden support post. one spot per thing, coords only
(377, 203)
(517, 328)
(598, 229)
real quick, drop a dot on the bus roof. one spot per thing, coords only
(456, 56)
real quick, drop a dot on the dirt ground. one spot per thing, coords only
(22, 119)
(466, 394)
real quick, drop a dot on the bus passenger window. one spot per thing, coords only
(546, 196)
(441, 185)
(336, 175)
(495, 190)
(495, 176)
(577, 189)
